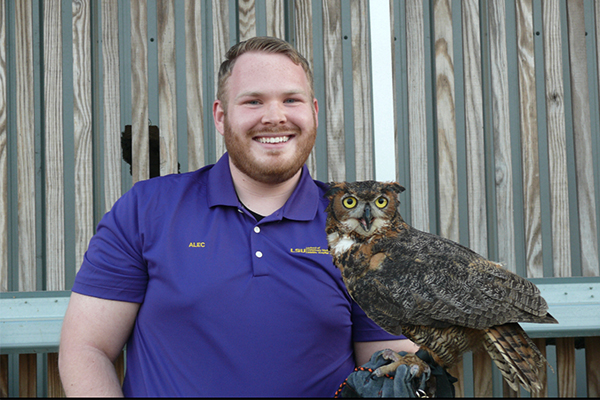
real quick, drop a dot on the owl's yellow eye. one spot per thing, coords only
(350, 202)
(381, 202)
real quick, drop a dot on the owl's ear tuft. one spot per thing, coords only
(334, 187)
(397, 187)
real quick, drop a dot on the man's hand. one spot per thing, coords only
(364, 350)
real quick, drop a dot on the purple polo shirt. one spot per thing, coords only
(230, 307)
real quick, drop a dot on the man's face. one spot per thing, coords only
(270, 123)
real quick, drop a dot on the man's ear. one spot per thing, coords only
(316, 107)
(219, 116)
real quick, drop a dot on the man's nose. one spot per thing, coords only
(274, 114)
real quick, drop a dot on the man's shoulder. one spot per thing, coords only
(322, 187)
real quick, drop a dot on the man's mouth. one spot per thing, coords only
(272, 139)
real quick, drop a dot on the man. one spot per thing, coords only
(218, 280)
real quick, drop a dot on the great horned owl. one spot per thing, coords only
(438, 293)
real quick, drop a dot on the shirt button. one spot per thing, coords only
(256, 229)
(259, 254)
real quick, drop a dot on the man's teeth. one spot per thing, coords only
(279, 139)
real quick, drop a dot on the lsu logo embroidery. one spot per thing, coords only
(310, 250)
(197, 244)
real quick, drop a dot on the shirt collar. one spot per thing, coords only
(301, 206)
(304, 201)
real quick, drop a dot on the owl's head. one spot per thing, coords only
(362, 207)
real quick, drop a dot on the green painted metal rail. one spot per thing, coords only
(30, 322)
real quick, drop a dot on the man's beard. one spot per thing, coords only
(269, 172)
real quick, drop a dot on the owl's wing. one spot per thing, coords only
(429, 280)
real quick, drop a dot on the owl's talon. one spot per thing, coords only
(416, 365)
(391, 355)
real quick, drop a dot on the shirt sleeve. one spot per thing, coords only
(113, 267)
(365, 330)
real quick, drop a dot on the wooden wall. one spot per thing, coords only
(497, 136)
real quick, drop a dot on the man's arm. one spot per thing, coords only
(364, 350)
(93, 334)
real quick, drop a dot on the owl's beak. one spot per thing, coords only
(366, 219)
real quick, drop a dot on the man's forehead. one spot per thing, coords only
(256, 60)
(267, 67)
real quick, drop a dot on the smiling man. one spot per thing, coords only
(269, 124)
(218, 280)
(269, 133)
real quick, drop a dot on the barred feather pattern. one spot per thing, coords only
(516, 356)
(446, 345)
(513, 352)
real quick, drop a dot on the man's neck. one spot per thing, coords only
(262, 198)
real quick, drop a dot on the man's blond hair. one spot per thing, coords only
(264, 44)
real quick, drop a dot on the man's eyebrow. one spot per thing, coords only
(258, 93)
(248, 94)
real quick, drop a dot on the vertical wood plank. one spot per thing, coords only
(584, 163)
(508, 391)
(541, 345)
(474, 127)
(457, 371)
(482, 375)
(3, 157)
(140, 168)
(220, 35)
(557, 158)
(529, 139)
(332, 43)
(446, 121)
(112, 103)
(53, 139)
(361, 83)
(565, 360)
(167, 86)
(120, 367)
(247, 19)
(397, 82)
(592, 366)
(303, 22)
(4, 375)
(194, 93)
(597, 52)
(55, 388)
(27, 375)
(502, 138)
(276, 19)
(475, 152)
(25, 145)
(417, 105)
(82, 114)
